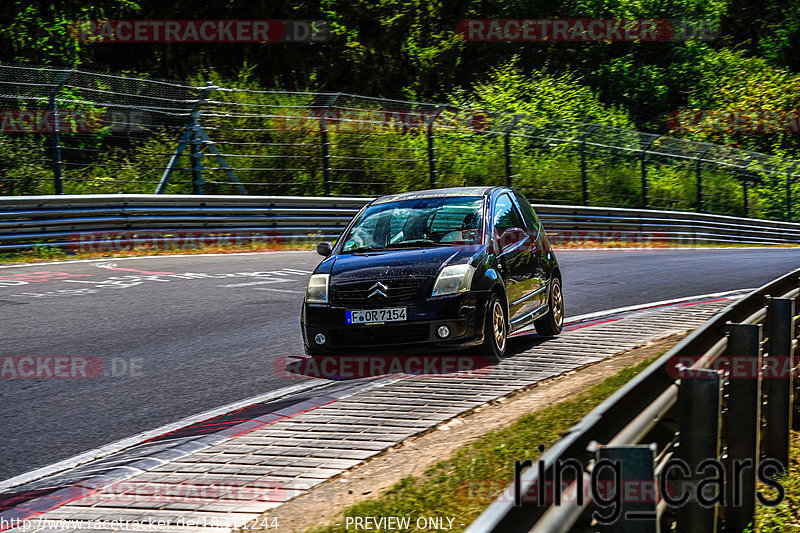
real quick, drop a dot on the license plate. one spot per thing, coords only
(369, 316)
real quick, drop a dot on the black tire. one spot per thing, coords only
(552, 323)
(495, 330)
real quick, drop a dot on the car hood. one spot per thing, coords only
(425, 262)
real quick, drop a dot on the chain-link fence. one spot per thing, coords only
(70, 131)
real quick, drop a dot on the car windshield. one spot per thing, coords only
(417, 223)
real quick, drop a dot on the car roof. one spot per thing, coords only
(435, 193)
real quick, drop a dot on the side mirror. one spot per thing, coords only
(324, 249)
(511, 236)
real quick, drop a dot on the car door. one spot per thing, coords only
(538, 250)
(512, 246)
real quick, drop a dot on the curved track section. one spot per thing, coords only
(153, 340)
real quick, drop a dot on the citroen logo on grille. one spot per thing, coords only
(378, 289)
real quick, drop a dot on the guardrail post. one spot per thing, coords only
(55, 141)
(637, 488)
(742, 424)
(699, 440)
(778, 373)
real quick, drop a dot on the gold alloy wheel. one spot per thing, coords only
(557, 303)
(499, 326)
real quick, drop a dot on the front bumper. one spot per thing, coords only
(463, 314)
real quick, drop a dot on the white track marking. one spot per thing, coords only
(128, 442)
(106, 259)
(640, 307)
(598, 314)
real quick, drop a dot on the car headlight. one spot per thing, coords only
(453, 279)
(317, 289)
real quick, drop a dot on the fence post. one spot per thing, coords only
(432, 173)
(699, 439)
(507, 148)
(584, 168)
(698, 172)
(190, 137)
(779, 368)
(742, 425)
(325, 145)
(196, 158)
(635, 467)
(789, 177)
(745, 202)
(55, 141)
(645, 195)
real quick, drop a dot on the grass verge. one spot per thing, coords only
(786, 515)
(462, 486)
(48, 253)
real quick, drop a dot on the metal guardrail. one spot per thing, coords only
(64, 220)
(692, 405)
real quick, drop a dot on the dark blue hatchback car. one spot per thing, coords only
(443, 269)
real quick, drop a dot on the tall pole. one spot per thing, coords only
(507, 149)
(584, 166)
(325, 146)
(58, 183)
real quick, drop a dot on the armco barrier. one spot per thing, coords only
(62, 220)
(720, 403)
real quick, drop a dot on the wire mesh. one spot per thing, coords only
(98, 133)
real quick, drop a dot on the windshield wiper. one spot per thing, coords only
(419, 243)
(365, 249)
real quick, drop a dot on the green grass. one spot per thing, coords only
(786, 515)
(47, 252)
(464, 485)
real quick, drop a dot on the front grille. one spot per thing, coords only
(380, 335)
(357, 293)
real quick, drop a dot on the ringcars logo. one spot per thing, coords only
(360, 366)
(586, 30)
(200, 31)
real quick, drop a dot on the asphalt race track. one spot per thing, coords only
(173, 336)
